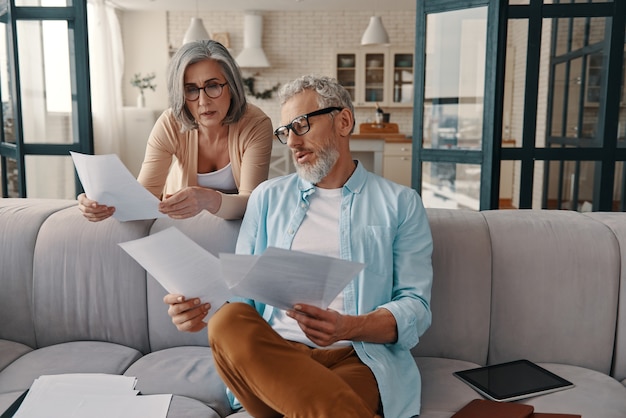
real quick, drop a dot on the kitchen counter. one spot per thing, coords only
(387, 137)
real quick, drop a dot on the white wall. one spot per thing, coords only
(295, 43)
(144, 36)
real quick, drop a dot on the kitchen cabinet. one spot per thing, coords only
(397, 162)
(377, 75)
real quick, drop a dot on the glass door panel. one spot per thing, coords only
(43, 48)
(455, 79)
(374, 77)
(402, 78)
(346, 73)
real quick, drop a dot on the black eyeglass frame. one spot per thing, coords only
(197, 90)
(289, 127)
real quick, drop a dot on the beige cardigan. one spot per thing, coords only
(171, 160)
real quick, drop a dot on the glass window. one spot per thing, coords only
(43, 50)
(454, 79)
(451, 185)
(41, 168)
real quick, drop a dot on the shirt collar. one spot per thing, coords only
(354, 184)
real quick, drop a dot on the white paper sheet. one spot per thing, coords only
(279, 277)
(90, 395)
(107, 181)
(181, 266)
(283, 278)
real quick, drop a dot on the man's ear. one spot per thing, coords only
(345, 122)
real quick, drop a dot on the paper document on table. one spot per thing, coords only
(181, 266)
(107, 181)
(283, 278)
(91, 395)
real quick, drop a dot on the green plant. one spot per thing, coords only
(143, 82)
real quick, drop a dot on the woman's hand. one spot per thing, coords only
(190, 201)
(92, 210)
(187, 315)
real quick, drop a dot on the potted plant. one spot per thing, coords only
(142, 83)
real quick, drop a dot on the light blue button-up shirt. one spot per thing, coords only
(383, 225)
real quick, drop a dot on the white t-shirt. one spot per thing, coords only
(318, 234)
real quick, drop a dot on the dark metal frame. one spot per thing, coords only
(492, 153)
(76, 16)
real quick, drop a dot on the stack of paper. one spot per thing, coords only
(90, 395)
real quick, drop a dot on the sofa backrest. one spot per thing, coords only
(85, 287)
(555, 284)
(617, 223)
(20, 221)
(461, 295)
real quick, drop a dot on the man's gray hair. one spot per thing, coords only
(329, 91)
(191, 53)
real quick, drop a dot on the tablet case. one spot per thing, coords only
(484, 408)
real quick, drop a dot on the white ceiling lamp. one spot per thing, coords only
(252, 55)
(196, 30)
(375, 34)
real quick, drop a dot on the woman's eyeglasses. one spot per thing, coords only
(300, 125)
(212, 90)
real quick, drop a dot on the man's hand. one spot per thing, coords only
(190, 201)
(326, 327)
(187, 315)
(322, 327)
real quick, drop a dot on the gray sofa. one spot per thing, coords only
(541, 285)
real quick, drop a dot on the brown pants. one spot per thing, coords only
(273, 377)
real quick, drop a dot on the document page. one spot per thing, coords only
(278, 277)
(181, 266)
(107, 181)
(282, 278)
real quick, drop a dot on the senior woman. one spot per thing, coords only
(211, 148)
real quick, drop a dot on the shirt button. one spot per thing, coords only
(290, 232)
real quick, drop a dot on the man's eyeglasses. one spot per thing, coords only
(212, 90)
(300, 125)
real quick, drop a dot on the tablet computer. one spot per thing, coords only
(513, 380)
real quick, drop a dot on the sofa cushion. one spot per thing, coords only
(555, 287)
(183, 407)
(20, 220)
(461, 295)
(85, 287)
(73, 357)
(9, 351)
(442, 392)
(211, 233)
(186, 371)
(595, 394)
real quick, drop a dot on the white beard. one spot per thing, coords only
(314, 173)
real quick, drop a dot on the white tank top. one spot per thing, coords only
(318, 234)
(222, 180)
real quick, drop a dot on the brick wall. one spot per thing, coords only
(298, 43)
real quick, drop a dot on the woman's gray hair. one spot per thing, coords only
(329, 92)
(191, 53)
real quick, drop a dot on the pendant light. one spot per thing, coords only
(375, 33)
(196, 30)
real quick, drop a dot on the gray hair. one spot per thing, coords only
(191, 53)
(329, 92)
